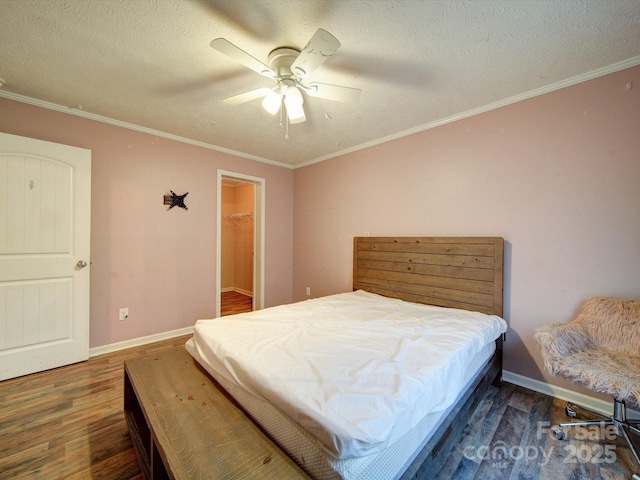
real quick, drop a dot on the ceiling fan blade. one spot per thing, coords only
(247, 96)
(333, 92)
(231, 51)
(321, 46)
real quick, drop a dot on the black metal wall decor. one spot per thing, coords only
(174, 200)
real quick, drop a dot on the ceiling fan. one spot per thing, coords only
(289, 67)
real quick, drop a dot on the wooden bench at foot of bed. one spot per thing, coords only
(183, 427)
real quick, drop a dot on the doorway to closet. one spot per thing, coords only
(240, 245)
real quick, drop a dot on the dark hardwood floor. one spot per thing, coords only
(508, 437)
(234, 302)
(68, 424)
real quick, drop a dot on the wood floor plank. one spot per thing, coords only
(498, 461)
(234, 302)
(533, 442)
(538, 455)
(458, 466)
(68, 422)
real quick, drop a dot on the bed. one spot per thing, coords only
(426, 312)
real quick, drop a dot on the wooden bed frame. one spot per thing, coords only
(457, 272)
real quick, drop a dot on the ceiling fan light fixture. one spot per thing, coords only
(293, 103)
(296, 114)
(271, 103)
(288, 66)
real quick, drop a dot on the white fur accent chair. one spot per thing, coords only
(600, 349)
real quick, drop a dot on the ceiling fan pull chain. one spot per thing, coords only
(286, 134)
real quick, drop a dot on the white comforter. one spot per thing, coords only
(357, 369)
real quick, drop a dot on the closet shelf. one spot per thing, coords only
(236, 218)
(237, 215)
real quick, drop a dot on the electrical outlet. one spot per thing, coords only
(308, 291)
(124, 314)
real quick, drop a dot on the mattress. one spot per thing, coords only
(356, 370)
(309, 454)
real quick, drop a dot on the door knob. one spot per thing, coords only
(81, 264)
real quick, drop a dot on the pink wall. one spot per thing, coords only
(558, 176)
(158, 263)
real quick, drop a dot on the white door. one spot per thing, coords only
(45, 221)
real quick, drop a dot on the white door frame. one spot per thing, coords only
(258, 235)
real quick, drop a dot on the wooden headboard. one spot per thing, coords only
(457, 272)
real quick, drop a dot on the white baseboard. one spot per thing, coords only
(136, 342)
(238, 290)
(606, 408)
(244, 292)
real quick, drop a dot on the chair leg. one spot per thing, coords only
(559, 433)
(570, 409)
(631, 445)
(587, 423)
(618, 420)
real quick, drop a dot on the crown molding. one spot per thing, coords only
(130, 126)
(616, 67)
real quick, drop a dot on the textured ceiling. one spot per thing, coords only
(417, 62)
